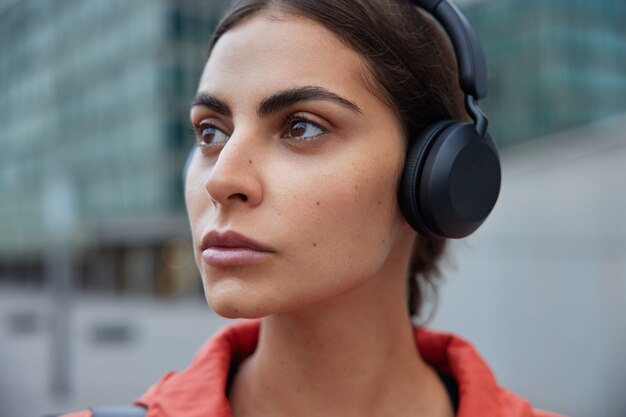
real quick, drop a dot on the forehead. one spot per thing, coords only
(268, 53)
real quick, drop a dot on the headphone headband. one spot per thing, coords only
(469, 53)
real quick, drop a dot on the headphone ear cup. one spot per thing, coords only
(454, 182)
(408, 192)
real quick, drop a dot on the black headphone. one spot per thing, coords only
(451, 178)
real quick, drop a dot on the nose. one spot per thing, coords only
(234, 178)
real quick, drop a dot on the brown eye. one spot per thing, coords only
(208, 135)
(303, 129)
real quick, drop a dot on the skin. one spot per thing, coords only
(314, 182)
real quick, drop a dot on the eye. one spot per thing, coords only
(207, 134)
(301, 129)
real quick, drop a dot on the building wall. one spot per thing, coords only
(540, 288)
(95, 95)
(552, 64)
(80, 82)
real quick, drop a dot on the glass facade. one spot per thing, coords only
(553, 64)
(96, 92)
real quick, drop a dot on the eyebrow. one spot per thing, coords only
(211, 102)
(286, 98)
(278, 101)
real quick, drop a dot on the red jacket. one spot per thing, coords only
(200, 390)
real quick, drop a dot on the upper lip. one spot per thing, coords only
(231, 239)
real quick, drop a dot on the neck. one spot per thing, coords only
(354, 355)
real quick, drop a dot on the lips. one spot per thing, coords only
(230, 249)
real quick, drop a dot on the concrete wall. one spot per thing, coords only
(541, 287)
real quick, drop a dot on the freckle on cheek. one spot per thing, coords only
(249, 161)
(314, 244)
(317, 203)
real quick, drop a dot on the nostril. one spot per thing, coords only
(240, 196)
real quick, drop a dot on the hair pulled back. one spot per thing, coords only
(412, 69)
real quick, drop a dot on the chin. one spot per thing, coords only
(235, 306)
(233, 311)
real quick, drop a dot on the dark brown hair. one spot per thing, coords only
(412, 69)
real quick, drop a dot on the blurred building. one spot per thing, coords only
(96, 93)
(94, 96)
(94, 107)
(553, 64)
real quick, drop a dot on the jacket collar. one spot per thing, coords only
(200, 390)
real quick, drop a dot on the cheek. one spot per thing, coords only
(365, 212)
(196, 197)
(194, 200)
(344, 222)
(198, 205)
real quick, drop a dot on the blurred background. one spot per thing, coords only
(99, 296)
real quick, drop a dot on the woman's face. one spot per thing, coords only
(291, 192)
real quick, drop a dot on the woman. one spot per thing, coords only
(303, 116)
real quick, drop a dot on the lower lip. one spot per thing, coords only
(229, 257)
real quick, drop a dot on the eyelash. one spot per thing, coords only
(197, 130)
(287, 119)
